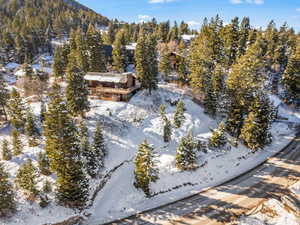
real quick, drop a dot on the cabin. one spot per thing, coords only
(112, 86)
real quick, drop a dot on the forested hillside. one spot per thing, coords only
(27, 26)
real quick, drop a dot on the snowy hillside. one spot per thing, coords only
(126, 125)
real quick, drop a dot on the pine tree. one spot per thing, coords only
(167, 130)
(31, 130)
(179, 114)
(119, 52)
(231, 41)
(145, 168)
(182, 64)
(97, 61)
(235, 119)
(165, 64)
(247, 74)
(218, 139)
(16, 110)
(77, 91)
(291, 77)
(206, 51)
(58, 63)
(47, 187)
(7, 195)
(244, 36)
(6, 152)
(81, 53)
(84, 139)
(185, 154)
(146, 62)
(95, 157)
(43, 164)
(43, 111)
(25, 178)
(4, 96)
(16, 142)
(256, 129)
(63, 150)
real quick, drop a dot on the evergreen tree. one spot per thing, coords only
(247, 74)
(31, 130)
(43, 164)
(256, 129)
(145, 168)
(119, 52)
(17, 110)
(231, 42)
(179, 114)
(58, 63)
(97, 61)
(6, 152)
(81, 51)
(43, 111)
(25, 178)
(63, 151)
(167, 128)
(206, 51)
(235, 118)
(146, 62)
(185, 154)
(244, 36)
(47, 187)
(291, 77)
(218, 138)
(16, 142)
(95, 157)
(77, 91)
(7, 195)
(165, 64)
(182, 65)
(4, 96)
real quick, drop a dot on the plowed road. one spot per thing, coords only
(222, 204)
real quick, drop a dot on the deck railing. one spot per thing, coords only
(123, 91)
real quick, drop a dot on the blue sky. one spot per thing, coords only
(193, 11)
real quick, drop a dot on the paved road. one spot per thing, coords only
(222, 204)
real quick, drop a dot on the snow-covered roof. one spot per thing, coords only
(188, 37)
(11, 66)
(132, 46)
(107, 77)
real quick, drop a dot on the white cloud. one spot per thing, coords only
(256, 2)
(236, 1)
(144, 18)
(160, 1)
(298, 10)
(193, 23)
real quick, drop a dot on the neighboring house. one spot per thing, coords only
(130, 52)
(112, 86)
(10, 67)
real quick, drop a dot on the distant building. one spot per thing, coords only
(112, 86)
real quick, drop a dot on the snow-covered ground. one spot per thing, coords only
(273, 212)
(126, 125)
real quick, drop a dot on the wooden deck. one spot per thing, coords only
(120, 91)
